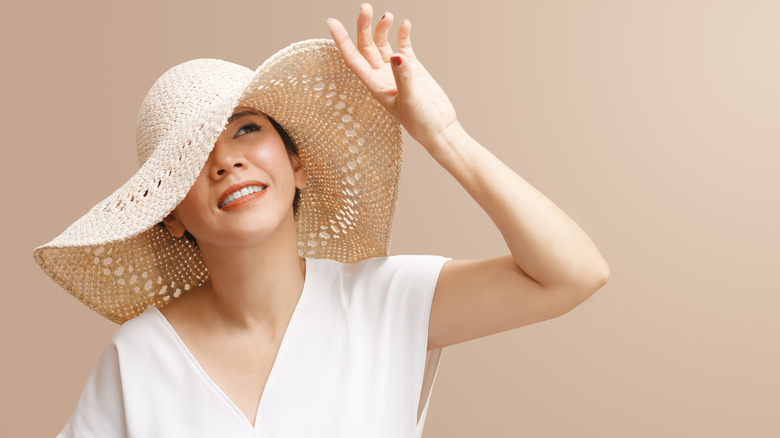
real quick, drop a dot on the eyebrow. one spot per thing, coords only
(238, 115)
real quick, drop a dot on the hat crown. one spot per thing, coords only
(178, 100)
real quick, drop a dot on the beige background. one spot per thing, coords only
(654, 125)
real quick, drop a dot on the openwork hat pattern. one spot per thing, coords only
(117, 259)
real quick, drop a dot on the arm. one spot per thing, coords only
(552, 268)
(544, 242)
(552, 265)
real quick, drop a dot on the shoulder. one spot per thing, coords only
(141, 347)
(405, 265)
(389, 270)
(138, 332)
(122, 354)
(386, 264)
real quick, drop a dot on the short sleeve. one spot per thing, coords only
(397, 293)
(411, 284)
(396, 306)
(411, 291)
(100, 410)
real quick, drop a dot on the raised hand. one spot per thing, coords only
(396, 79)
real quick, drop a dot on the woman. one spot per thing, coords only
(264, 304)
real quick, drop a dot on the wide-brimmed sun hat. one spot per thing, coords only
(117, 259)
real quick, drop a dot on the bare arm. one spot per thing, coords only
(552, 265)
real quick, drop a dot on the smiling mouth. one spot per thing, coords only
(240, 193)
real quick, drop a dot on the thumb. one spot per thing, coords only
(402, 72)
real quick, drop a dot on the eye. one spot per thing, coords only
(250, 127)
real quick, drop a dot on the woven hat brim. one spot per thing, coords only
(350, 147)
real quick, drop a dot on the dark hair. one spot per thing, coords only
(292, 150)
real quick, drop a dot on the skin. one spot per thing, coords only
(552, 265)
(252, 248)
(257, 275)
(234, 324)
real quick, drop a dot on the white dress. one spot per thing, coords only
(353, 362)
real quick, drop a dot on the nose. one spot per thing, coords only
(225, 161)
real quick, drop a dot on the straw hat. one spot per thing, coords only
(118, 260)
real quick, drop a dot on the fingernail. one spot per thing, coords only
(396, 60)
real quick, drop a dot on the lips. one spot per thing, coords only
(235, 188)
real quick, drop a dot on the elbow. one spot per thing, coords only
(599, 270)
(586, 282)
(599, 279)
(604, 276)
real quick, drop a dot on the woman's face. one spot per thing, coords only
(249, 156)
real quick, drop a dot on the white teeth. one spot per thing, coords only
(241, 193)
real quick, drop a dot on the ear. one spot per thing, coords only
(300, 172)
(174, 225)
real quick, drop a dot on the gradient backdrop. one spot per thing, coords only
(654, 124)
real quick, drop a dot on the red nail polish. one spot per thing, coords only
(396, 60)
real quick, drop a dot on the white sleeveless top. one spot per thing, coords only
(353, 362)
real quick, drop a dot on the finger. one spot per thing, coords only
(403, 76)
(349, 52)
(380, 36)
(365, 41)
(405, 40)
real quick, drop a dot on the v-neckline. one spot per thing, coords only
(210, 382)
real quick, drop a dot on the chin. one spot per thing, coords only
(258, 231)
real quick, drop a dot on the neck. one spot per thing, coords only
(255, 286)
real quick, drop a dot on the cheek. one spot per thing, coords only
(267, 154)
(273, 159)
(190, 207)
